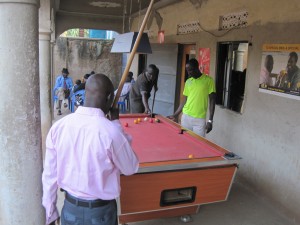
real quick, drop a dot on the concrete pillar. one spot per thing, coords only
(45, 84)
(20, 130)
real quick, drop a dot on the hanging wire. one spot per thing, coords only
(140, 6)
(124, 13)
(212, 33)
(129, 20)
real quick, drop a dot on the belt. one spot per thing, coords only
(87, 204)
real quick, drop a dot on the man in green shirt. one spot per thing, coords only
(199, 90)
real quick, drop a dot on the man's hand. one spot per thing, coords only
(113, 114)
(209, 127)
(172, 117)
(147, 111)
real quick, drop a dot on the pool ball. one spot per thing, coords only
(135, 122)
(139, 120)
(146, 118)
(191, 156)
(151, 120)
(126, 124)
(157, 120)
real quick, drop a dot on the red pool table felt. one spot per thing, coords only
(154, 142)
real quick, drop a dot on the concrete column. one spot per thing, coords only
(20, 130)
(45, 84)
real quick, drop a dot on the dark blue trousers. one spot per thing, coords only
(78, 215)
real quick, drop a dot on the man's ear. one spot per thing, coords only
(108, 97)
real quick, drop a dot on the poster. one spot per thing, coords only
(204, 60)
(280, 72)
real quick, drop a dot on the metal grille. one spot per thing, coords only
(187, 28)
(233, 20)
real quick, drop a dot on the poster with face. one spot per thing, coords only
(280, 72)
(204, 60)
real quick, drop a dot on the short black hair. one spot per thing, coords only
(86, 76)
(154, 68)
(269, 57)
(78, 82)
(93, 72)
(294, 55)
(130, 74)
(193, 63)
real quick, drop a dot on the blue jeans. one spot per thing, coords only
(78, 215)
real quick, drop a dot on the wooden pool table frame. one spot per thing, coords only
(140, 193)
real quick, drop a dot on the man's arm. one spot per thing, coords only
(123, 156)
(179, 109)
(212, 104)
(70, 83)
(56, 83)
(49, 180)
(145, 102)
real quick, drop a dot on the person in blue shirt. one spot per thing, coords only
(62, 88)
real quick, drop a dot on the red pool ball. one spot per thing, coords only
(126, 124)
(151, 120)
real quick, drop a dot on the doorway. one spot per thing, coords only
(185, 53)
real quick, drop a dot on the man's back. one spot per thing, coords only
(88, 154)
(85, 154)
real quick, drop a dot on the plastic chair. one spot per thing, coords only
(122, 104)
(73, 99)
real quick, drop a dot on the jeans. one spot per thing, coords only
(197, 125)
(77, 215)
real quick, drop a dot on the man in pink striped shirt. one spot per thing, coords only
(85, 155)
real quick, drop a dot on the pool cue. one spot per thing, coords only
(153, 104)
(134, 49)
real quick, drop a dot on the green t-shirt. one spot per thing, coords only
(197, 91)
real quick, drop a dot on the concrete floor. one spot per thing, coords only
(243, 207)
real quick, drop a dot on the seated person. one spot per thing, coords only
(126, 88)
(77, 84)
(82, 85)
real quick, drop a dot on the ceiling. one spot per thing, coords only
(101, 14)
(104, 7)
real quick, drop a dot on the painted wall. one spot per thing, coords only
(266, 135)
(81, 56)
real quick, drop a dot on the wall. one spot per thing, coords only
(81, 56)
(266, 134)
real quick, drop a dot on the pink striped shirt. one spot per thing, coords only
(85, 154)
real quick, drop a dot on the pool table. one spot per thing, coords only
(178, 171)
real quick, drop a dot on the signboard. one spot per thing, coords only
(204, 60)
(280, 72)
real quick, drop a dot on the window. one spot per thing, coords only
(231, 74)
